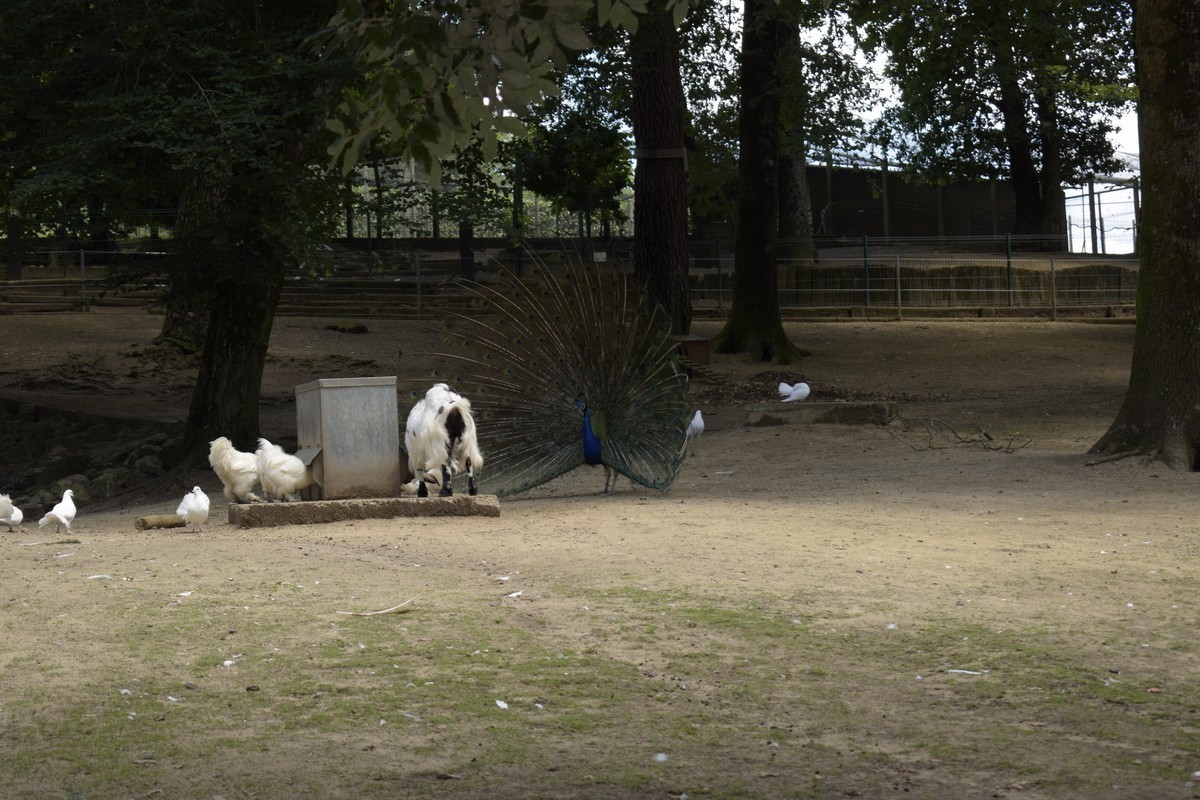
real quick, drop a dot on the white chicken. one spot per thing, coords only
(282, 474)
(194, 508)
(238, 471)
(695, 427)
(9, 514)
(62, 515)
(793, 392)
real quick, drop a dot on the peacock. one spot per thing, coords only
(566, 367)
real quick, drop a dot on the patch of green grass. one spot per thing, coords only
(730, 689)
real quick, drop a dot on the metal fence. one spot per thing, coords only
(995, 272)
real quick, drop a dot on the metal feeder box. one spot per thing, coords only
(347, 430)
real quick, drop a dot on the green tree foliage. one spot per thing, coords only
(217, 106)
(438, 74)
(580, 163)
(1028, 90)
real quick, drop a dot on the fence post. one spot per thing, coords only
(1053, 293)
(82, 275)
(720, 282)
(1008, 258)
(417, 259)
(899, 304)
(866, 274)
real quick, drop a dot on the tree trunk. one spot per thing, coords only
(1160, 415)
(754, 323)
(796, 248)
(189, 297)
(466, 250)
(14, 254)
(1022, 171)
(660, 222)
(1053, 220)
(244, 297)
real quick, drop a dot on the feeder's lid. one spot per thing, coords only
(343, 383)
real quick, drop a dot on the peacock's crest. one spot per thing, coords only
(542, 355)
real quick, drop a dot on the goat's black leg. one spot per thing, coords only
(422, 491)
(471, 488)
(447, 489)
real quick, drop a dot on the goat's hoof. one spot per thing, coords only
(446, 493)
(472, 491)
(422, 492)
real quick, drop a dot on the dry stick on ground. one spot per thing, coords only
(383, 611)
(936, 427)
(1105, 459)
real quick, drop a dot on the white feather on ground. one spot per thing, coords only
(426, 437)
(282, 474)
(194, 508)
(9, 514)
(792, 393)
(696, 426)
(62, 515)
(238, 471)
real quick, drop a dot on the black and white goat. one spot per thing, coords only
(441, 433)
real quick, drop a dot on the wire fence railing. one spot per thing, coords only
(419, 281)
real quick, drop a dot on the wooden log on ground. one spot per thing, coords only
(159, 521)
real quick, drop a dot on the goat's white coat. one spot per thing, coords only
(426, 437)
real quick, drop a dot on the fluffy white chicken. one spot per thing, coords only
(238, 471)
(793, 392)
(695, 427)
(282, 474)
(194, 508)
(9, 514)
(62, 515)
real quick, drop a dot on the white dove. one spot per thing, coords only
(9, 514)
(194, 508)
(695, 427)
(62, 515)
(796, 391)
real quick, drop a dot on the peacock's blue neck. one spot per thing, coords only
(591, 442)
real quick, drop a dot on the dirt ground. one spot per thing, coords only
(977, 504)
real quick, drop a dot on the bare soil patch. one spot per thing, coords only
(951, 605)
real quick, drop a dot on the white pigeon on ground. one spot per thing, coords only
(695, 427)
(9, 514)
(793, 392)
(62, 515)
(194, 508)
(281, 474)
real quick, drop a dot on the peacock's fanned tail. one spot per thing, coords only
(534, 347)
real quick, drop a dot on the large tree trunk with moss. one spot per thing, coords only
(660, 181)
(754, 323)
(1160, 416)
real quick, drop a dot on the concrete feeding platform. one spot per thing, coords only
(315, 512)
(766, 414)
